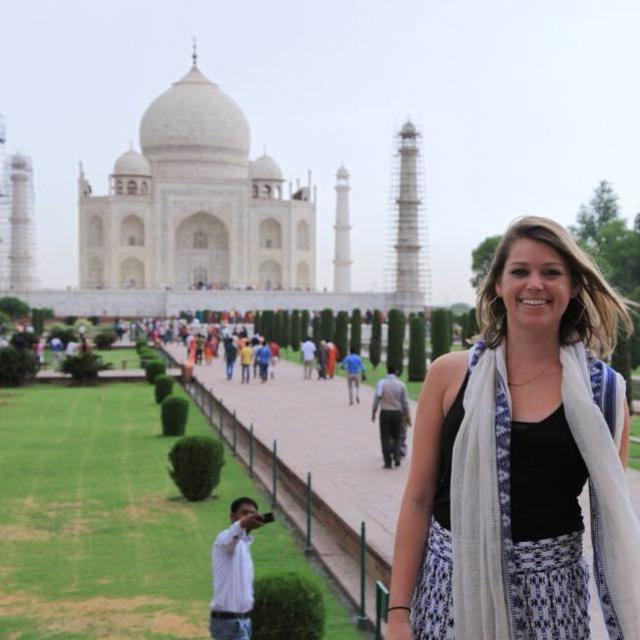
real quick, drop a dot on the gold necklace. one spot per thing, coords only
(538, 375)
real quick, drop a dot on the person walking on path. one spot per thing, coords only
(489, 537)
(308, 353)
(232, 570)
(246, 358)
(230, 354)
(275, 356)
(352, 364)
(323, 353)
(392, 398)
(263, 357)
(332, 358)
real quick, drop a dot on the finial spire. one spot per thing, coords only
(194, 55)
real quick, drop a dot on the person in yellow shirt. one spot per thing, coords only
(246, 359)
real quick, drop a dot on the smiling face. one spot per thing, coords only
(535, 286)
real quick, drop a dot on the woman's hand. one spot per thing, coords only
(398, 627)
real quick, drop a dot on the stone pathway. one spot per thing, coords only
(318, 431)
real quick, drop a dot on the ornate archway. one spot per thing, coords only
(132, 274)
(270, 275)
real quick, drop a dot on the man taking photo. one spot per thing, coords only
(232, 568)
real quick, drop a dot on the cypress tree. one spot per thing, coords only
(256, 322)
(285, 329)
(266, 324)
(395, 340)
(277, 327)
(375, 346)
(341, 337)
(621, 362)
(355, 341)
(439, 333)
(296, 327)
(305, 320)
(315, 330)
(327, 324)
(417, 346)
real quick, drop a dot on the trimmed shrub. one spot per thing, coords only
(23, 340)
(256, 322)
(305, 320)
(355, 342)
(154, 368)
(327, 325)
(439, 333)
(267, 324)
(14, 307)
(94, 320)
(70, 320)
(196, 463)
(85, 324)
(315, 330)
(140, 344)
(395, 340)
(277, 327)
(84, 367)
(341, 336)
(375, 346)
(37, 321)
(163, 386)
(417, 357)
(285, 329)
(173, 413)
(287, 605)
(296, 330)
(16, 366)
(105, 339)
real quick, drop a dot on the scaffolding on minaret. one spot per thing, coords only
(22, 264)
(5, 209)
(407, 272)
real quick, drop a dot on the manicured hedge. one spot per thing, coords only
(174, 412)
(439, 333)
(341, 337)
(196, 464)
(296, 330)
(417, 346)
(375, 346)
(395, 340)
(355, 341)
(327, 325)
(163, 386)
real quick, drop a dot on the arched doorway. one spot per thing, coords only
(132, 274)
(270, 275)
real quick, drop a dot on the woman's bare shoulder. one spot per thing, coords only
(450, 367)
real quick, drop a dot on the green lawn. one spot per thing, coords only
(95, 540)
(114, 356)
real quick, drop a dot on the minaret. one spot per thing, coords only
(21, 258)
(342, 261)
(5, 206)
(408, 204)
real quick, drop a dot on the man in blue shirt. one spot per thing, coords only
(354, 367)
(263, 357)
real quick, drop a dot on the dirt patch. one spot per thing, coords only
(22, 534)
(112, 618)
(76, 527)
(152, 507)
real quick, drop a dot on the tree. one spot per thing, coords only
(375, 346)
(14, 307)
(481, 258)
(305, 320)
(296, 327)
(266, 324)
(439, 333)
(417, 347)
(285, 329)
(256, 322)
(277, 328)
(602, 209)
(315, 330)
(327, 325)
(355, 341)
(395, 340)
(341, 336)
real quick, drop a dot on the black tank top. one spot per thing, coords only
(547, 475)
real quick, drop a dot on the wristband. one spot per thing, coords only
(399, 607)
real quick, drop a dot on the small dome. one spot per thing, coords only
(265, 168)
(408, 129)
(192, 116)
(131, 163)
(342, 172)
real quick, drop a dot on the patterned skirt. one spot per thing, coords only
(552, 581)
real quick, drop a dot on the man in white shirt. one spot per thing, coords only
(232, 569)
(308, 350)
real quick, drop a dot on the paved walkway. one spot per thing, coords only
(318, 431)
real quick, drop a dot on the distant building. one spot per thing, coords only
(191, 211)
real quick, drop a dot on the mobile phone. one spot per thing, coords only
(267, 518)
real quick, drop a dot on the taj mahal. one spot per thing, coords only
(190, 222)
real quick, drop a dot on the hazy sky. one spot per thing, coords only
(524, 106)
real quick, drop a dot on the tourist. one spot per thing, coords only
(246, 359)
(57, 347)
(323, 354)
(230, 354)
(263, 356)
(489, 537)
(354, 368)
(256, 343)
(200, 341)
(393, 400)
(333, 355)
(275, 356)
(308, 354)
(232, 570)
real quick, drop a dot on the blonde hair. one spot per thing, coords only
(594, 316)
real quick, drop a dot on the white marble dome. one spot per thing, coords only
(265, 168)
(131, 163)
(194, 115)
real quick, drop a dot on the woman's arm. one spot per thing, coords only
(444, 374)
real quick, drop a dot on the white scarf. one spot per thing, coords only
(482, 566)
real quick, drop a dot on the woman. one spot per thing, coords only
(488, 543)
